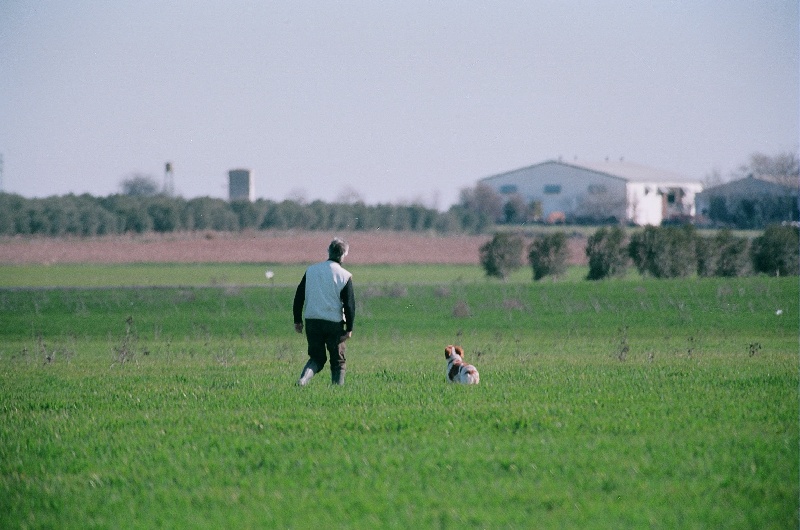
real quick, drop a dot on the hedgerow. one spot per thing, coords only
(85, 215)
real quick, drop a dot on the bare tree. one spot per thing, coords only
(783, 168)
(714, 178)
(349, 195)
(482, 199)
(515, 210)
(139, 186)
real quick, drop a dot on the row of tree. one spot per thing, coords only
(659, 252)
(85, 215)
(479, 210)
(141, 208)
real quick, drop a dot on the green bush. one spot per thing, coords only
(547, 255)
(502, 255)
(775, 252)
(723, 254)
(607, 253)
(664, 252)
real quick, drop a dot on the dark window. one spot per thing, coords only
(508, 189)
(597, 189)
(552, 189)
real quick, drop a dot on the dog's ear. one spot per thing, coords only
(460, 351)
(447, 351)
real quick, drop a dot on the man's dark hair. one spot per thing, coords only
(337, 249)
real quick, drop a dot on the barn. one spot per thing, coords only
(750, 202)
(596, 192)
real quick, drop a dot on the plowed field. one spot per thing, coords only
(254, 247)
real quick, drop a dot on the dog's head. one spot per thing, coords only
(451, 350)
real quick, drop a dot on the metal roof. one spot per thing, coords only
(751, 185)
(627, 171)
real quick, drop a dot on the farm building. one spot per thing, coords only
(603, 191)
(750, 202)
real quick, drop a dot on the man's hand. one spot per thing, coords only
(298, 327)
(345, 336)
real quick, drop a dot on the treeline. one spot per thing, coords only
(85, 215)
(658, 252)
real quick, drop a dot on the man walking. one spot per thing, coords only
(326, 292)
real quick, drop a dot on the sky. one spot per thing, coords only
(391, 102)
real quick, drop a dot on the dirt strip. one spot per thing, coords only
(373, 247)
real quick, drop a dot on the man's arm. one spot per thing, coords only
(297, 306)
(349, 305)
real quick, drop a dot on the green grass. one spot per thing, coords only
(619, 404)
(211, 274)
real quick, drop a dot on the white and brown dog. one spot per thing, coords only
(457, 370)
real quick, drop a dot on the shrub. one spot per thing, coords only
(607, 253)
(502, 255)
(664, 252)
(775, 252)
(547, 255)
(722, 255)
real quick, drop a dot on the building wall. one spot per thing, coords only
(563, 189)
(650, 203)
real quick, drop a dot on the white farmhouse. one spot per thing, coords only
(604, 191)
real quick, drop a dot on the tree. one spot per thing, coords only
(664, 252)
(94, 219)
(783, 168)
(713, 179)
(547, 255)
(607, 253)
(515, 211)
(723, 254)
(502, 255)
(247, 212)
(775, 252)
(130, 212)
(139, 186)
(165, 213)
(483, 201)
(535, 210)
(469, 220)
(349, 195)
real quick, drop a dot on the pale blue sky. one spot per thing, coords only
(398, 100)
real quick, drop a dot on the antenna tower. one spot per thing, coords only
(169, 182)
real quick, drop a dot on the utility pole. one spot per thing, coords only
(1, 172)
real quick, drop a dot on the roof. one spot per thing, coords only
(751, 185)
(627, 171)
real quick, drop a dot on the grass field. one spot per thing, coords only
(619, 404)
(243, 274)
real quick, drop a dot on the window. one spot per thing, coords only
(508, 189)
(597, 189)
(552, 189)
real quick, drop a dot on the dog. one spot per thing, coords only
(457, 370)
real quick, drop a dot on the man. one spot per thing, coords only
(326, 292)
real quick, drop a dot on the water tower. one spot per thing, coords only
(240, 185)
(169, 181)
